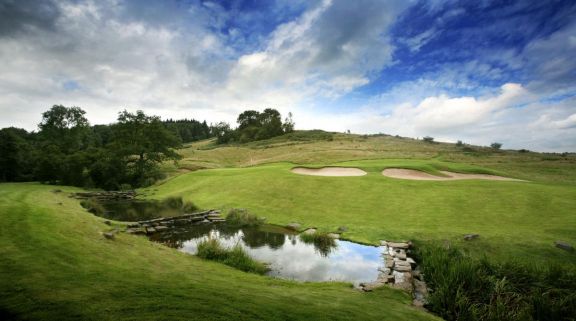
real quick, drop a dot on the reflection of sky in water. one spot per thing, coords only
(300, 261)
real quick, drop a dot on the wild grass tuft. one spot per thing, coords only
(93, 206)
(242, 218)
(212, 249)
(464, 288)
(322, 242)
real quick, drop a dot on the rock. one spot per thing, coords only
(402, 267)
(564, 246)
(417, 303)
(401, 255)
(107, 222)
(389, 262)
(150, 230)
(294, 226)
(368, 287)
(309, 231)
(134, 225)
(385, 271)
(138, 230)
(161, 228)
(469, 237)
(399, 245)
(333, 235)
(342, 229)
(411, 261)
(420, 288)
(108, 235)
(383, 243)
(205, 221)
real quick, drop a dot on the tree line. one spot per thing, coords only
(67, 150)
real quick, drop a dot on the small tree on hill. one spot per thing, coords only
(428, 139)
(459, 143)
(496, 145)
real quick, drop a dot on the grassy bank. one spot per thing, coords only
(56, 265)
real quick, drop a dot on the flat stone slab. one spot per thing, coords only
(398, 245)
(564, 246)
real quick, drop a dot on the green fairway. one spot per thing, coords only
(516, 220)
(56, 265)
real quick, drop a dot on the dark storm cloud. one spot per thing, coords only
(18, 16)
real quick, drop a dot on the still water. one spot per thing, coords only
(287, 255)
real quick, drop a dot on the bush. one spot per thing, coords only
(428, 139)
(496, 145)
(464, 288)
(212, 249)
(322, 242)
(93, 206)
(241, 217)
(459, 143)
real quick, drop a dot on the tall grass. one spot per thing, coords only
(212, 249)
(93, 206)
(242, 218)
(322, 242)
(470, 289)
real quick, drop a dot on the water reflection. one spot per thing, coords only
(288, 256)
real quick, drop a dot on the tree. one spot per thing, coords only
(496, 145)
(428, 139)
(288, 125)
(224, 134)
(142, 142)
(65, 127)
(271, 124)
(459, 143)
(14, 155)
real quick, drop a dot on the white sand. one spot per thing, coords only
(422, 176)
(329, 171)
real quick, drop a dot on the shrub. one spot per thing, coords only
(428, 139)
(322, 242)
(189, 207)
(93, 206)
(212, 249)
(241, 217)
(464, 288)
(496, 145)
(459, 143)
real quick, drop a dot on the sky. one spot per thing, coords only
(476, 71)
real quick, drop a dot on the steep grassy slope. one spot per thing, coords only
(57, 266)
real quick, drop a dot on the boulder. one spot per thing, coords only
(383, 243)
(402, 267)
(564, 246)
(309, 231)
(399, 245)
(294, 226)
(368, 287)
(389, 262)
(333, 235)
(138, 230)
(469, 237)
(108, 235)
(134, 225)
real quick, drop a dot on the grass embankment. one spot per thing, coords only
(518, 220)
(57, 266)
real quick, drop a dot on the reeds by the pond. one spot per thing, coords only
(464, 288)
(242, 218)
(212, 249)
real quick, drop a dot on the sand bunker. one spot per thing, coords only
(329, 171)
(422, 176)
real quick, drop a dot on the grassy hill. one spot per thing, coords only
(56, 264)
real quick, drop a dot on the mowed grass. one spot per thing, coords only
(56, 265)
(515, 220)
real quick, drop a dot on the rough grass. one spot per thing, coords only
(465, 288)
(56, 265)
(212, 249)
(242, 218)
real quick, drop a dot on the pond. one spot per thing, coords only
(286, 253)
(138, 210)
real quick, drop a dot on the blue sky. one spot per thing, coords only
(476, 71)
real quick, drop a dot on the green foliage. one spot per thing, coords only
(212, 249)
(464, 288)
(496, 145)
(93, 206)
(253, 126)
(241, 217)
(428, 139)
(459, 143)
(322, 242)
